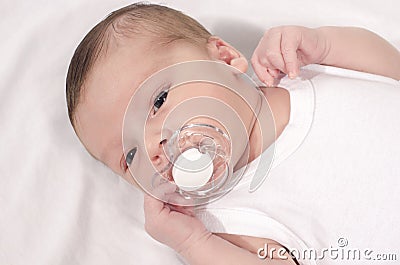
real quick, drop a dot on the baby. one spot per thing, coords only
(132, 43)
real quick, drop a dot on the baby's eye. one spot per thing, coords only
(129, 158)
(159, 100)
(130, 155)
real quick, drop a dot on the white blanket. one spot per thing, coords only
(58, 205)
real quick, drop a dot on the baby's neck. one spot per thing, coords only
(279, 103)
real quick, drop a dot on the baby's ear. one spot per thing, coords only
(220, 50)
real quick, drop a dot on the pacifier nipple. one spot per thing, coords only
(192, 169)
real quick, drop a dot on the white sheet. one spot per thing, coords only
(58, 205)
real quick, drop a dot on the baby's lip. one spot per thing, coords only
(166, 171)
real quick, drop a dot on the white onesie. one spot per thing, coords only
(335, 180)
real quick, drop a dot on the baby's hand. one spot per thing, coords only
(174, 226)
(285, 49)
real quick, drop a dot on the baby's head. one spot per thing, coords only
(117, 55)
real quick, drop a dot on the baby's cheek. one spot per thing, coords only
(128, 177)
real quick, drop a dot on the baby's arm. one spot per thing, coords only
(361, 50)
(286, 48)
(177, 228)
(215, 250)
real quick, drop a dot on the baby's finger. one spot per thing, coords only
(166, 192)
(273, 72)
(262, 72)
(162, 189)
(152, 207)
(183, 209)
(273, 58)
(289, 45)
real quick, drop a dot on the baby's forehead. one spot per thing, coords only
(130, 60)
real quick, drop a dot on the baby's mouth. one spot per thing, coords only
(166, 172)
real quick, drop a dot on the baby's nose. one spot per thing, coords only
(157, 153)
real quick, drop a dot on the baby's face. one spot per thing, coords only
(110, 86)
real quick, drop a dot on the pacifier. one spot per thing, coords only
(199, 156)
(203, 141)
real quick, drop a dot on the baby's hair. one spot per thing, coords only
(163, 24)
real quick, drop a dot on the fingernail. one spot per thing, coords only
(292, 75)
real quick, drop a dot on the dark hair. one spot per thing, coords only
(164, 24)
